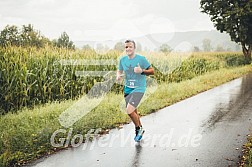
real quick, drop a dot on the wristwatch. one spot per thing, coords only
(142, 73)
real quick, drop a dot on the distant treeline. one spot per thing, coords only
(27, 36)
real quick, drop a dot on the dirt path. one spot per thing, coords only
(205, 130)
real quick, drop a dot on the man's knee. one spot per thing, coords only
(130, 109)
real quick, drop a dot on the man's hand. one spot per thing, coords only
(138, 69)
(119, 76)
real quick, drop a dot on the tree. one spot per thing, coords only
(233, 17)
(219, 48)
(106, 48)
(31, 37)
(206, 44)
(86, 47)
(26, 36)
(165, 48)
(99, 47)
(9, 36)
(138, 47)
(119, 46)
(196, 49)
(64, 42)
(229, 49)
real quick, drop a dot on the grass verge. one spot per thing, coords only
(246, 159)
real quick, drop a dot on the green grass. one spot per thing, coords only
(246, 160)
(249, 163)
(25, 135)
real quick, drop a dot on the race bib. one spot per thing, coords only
(131, 83)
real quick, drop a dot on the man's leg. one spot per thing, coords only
(138, 117)
(132, 101)
(132, 112)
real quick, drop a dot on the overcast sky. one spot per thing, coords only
(104, 19)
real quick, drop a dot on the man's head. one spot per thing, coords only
(130, 47)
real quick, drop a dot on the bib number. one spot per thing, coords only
(131, 83)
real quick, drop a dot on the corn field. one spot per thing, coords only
(30, 76)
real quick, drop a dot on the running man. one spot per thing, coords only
(135, 67)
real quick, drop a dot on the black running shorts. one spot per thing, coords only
(133, 98)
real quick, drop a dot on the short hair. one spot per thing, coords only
(129, 40)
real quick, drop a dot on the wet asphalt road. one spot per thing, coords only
(208, 129)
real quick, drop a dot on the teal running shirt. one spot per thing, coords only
(133, 82)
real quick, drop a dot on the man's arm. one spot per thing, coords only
(149, 71)
(119, 75)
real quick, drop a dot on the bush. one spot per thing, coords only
(235, 60)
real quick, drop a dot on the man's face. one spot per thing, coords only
(129, 48)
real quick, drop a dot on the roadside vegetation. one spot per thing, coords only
(35, 91)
